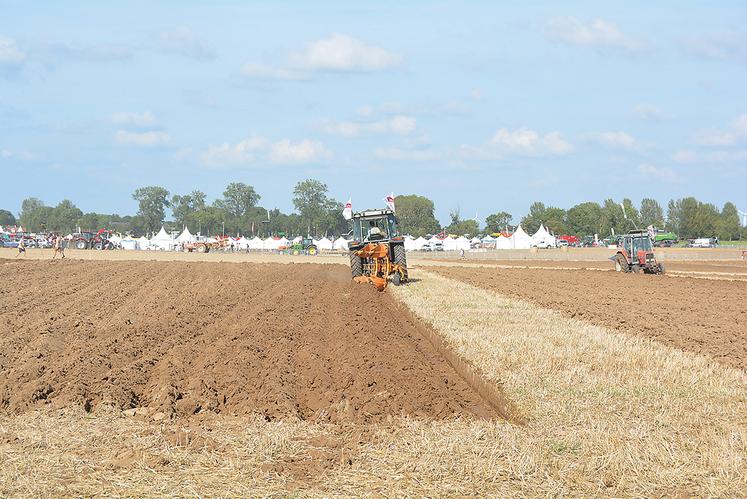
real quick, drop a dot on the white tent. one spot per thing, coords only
(420, 243)
(409, 243)
(450, 244)
(162, 241)
(340, 243)
(115, 239)
(271, 243)
(324, 244)
(255, 243)
(242, 243)
(520, 239)
(475, 241)
(143, 243)
(503, 242)
(129, 243)
(297, 239)
(542, 237)
(2, 231)
(186, 237)
(462, 243)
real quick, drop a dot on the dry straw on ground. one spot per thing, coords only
(608, 413)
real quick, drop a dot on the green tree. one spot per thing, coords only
(497, 222)
(651, 213)
(64, 217)
(32, 214)
(553, 218)
(152, 204)
(238, 198)
(728, 226)
(7, 218)
(469, 228)
(415, 215)
(585, 219)
(183, 206)
(319, 214)
(674, 216)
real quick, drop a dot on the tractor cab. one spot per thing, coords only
(374, 226)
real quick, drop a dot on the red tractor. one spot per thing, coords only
(635, 253)
(89, 240)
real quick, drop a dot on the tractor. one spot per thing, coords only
(305, 246)
(636, 253)
(377, 250)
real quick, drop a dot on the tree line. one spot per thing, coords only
(317, 214)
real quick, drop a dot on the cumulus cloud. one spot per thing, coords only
(597, 33)
(735, 134)
(524, 141)
(185, 42)
(10, 54)
(403, 154)
(396, 125)
(304, 151)
(725, 46)
(710, 157)
(344, 53)
(255, 150)
(619, 140)
(134, 119)
(663, 174)
(338, 53)
(141, 139)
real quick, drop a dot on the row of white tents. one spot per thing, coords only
(163, 241)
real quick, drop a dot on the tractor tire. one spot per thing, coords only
(295, 252)
(311, 250)
(356, 265)
(621, 264)
(397, 279)
(202, 248)
(81, 244)
(98, 246)
(661, 269)
(400, 258)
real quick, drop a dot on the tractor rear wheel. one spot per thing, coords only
(400, 258)
(202, 248)
(98, 246)
(661, 268)
(621, 264)
(81, 244)
(356, 265)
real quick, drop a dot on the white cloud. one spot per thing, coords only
(265, 72)
(256, 150)
(10, 53)
(620, 140)
(664, 173)
(399, 154)
(735, 134)
(528, 142)
(649, 112)
(725, 46)
(19, 155)
(143, 139)
(304, 151)
(344, 53)
(710, 157)
(396, 125)
(184, 41)
(135, 119)
(597, 33)
(685, 157)
(336, 54)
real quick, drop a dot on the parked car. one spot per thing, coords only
(562, 242)
(544, 245)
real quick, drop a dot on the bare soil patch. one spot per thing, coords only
(297, 341)
(703, 316)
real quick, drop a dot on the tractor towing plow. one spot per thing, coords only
(377, 251)
(636, 254)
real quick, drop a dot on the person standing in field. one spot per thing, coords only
(58, 247)
(21, 248)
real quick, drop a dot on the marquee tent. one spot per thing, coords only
(450, 244)
(543, 237)
(324, 244)
(242, 243)
(503, 242)
(420, 243)
(162, 241)
(520, 239)
(129, 243)
(462, 243)
(255, 243)
(186, 237)
(340, 244)
(143, 243)
(409, 243)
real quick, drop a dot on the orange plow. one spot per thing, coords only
(377, 267)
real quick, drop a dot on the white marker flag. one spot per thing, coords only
(347, 212)
(390, 201)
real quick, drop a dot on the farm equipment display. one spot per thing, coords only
(90, 240)
(377, 250)
(207, 246)
(636, 254)
(304, 247)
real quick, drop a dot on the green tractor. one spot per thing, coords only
(304, 247)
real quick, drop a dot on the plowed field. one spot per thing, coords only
(704, 316)
(183, 338)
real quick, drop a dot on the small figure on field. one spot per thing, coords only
(58, 247)
(21, 248)
(461, 254)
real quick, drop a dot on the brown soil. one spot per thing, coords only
(704, 316)
(184, 338)
(739, 268)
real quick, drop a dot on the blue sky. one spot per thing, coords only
(480, 106)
